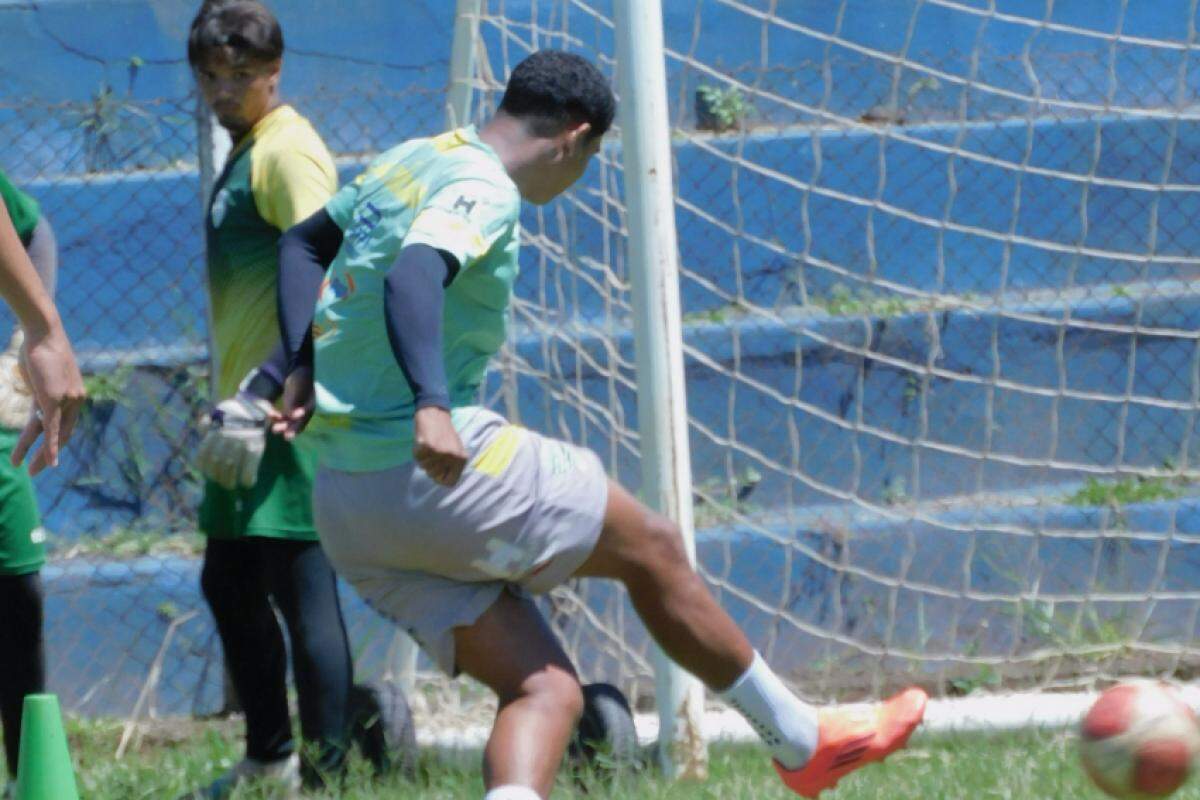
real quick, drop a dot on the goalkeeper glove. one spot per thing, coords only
(236, 437)
(16, 399)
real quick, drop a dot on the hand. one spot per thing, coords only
(299, 401)
(233, 445)
(48, 365)
(436, 446)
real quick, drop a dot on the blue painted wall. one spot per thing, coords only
(63, 51)
(132, 280)
(963, 597)
(136, 239)
(776, 220)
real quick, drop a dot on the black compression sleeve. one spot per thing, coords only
(413, 293)
(305, 251)
(267, 380)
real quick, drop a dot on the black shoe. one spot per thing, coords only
(606, 740)
(382, 727)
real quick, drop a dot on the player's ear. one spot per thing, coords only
(577, 136)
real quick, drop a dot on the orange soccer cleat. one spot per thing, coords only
(847, 740)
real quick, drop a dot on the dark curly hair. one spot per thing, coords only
(552, 88)
(245, 29)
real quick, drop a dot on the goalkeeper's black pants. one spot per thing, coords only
(22, 655)
(240, 579)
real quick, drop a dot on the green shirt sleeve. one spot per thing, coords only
(21, 207)
(465, 218)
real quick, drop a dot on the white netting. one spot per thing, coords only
(941, 308)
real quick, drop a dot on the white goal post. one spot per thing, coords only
(658, 339)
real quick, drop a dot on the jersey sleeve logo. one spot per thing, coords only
(366, 220)
(464, 205)
(340, 286)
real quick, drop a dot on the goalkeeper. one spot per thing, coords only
(22, 552)
(257, 508)
(443, 516)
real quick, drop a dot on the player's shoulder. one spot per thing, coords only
(463, 159)
(288, 135)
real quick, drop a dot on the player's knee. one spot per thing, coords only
(568, 696)
(315, 636)
(557, 690)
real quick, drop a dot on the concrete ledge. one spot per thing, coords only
(951, 598)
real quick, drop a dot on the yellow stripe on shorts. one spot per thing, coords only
(499, 453)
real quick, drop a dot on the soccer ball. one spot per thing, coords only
(1138, 741)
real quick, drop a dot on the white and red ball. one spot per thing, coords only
(1139, 741)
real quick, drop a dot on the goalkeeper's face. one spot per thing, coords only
(238, 92)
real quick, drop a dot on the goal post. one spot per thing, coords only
(658, 339)
(462, 61)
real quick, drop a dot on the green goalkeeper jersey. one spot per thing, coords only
(451, 193)
(277, 175)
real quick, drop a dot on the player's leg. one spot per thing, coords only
(22, 554)
(22, 655)
(413, 551)
(645, 552)
(254, 649)
(512, 650)
(304, 587)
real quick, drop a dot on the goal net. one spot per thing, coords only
(941, 308)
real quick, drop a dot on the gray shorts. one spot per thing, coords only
(525, 515)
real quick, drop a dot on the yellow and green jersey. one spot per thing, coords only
(277, 175)
(451, 193)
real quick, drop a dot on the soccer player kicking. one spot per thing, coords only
(444, 517)
(29, 253)
(262, 548)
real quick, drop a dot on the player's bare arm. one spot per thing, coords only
(47, 358)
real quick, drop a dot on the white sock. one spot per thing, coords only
(785, 723)
(512, 792)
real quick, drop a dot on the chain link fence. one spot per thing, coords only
(118, 178)
(941, 309)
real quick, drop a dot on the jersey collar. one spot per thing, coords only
(280, 115)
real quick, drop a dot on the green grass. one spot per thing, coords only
(1027, 766)
(132, 542)
(1138, 489)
